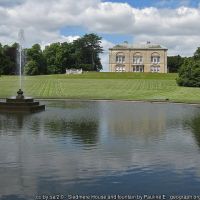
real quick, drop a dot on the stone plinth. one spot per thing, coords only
(21, 104)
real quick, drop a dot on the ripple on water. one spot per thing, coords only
(106, 146)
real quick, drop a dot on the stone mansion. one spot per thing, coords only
(138, 58)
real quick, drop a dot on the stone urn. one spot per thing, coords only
(20, 94)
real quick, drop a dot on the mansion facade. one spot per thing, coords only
(138, 58)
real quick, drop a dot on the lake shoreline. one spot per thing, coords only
(121, 100)
(116, 100)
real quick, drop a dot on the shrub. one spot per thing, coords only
(189, 73)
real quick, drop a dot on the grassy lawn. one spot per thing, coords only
(126, 86)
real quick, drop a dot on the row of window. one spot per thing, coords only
(137, 59)
(120, 69)
(137, 68)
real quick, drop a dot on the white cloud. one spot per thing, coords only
(178, 29)
(109, 18)
(59, 39)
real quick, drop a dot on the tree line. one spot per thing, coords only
(55, 58)
(84, 53)
(189, 72)
(8, 58)
(174, 63)
(188, 69)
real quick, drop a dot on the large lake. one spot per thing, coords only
(100, 148)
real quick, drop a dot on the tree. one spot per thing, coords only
(174, 63)
(52, 54)
(87, 50)
(81, 53)
(35, 54)
(11, 53)
(1, 59)
(189, 73)
(197, 54)
(67, 55)
(56, 58)
(59, 57)
(31, 68)
(7, 64)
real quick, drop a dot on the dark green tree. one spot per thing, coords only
(7, 61)
(87, 50)
(31, 68)
(189, 73)
(174, 63)
(197, 54)
(56, 58)
(1, 59)
(53, 56)
(35, 54)
(67, 54)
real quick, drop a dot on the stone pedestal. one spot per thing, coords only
(21, 104)
(20, 94)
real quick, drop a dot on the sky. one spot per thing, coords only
(174, 24)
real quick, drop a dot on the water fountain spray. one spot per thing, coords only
(21, 103)
(21, 40)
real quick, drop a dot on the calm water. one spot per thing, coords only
(100, 148)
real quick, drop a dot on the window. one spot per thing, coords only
(120, 69)
(137, 60)
(155, 69)
(138, 68)
(155, 59)
(120, 59)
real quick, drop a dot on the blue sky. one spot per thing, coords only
(171, 23)
(158, 3)
(114, 38)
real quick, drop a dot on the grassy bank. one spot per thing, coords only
(122, 86)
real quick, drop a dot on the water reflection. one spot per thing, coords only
(194, 124)
(106, 146)
(11, 121)
(56, 123)
(86, 131)
(144, 120)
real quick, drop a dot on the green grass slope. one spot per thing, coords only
(121, 86)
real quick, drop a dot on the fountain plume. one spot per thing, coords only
(21, 40)
(21, 103)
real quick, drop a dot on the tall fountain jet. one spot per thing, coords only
(21, 40)
(20, 103)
